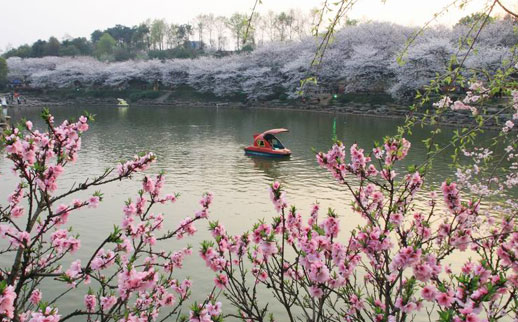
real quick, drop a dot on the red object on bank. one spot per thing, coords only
(267, 145)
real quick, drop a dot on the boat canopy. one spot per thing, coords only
(275, 131)
(268, 140)
(272, 131)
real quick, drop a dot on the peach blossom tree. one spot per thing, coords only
(128, 276)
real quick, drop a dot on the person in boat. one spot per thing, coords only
(273, 142)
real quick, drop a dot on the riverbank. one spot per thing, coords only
(368, 109)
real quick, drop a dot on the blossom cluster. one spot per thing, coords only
(393, 266)
(129, 276)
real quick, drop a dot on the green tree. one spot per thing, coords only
(140, 38)
(96, 36)
(184, 33)
(284, 24)
(52, 48)
(83, 45)
(24, 51)
(237, 24)
(38, 48)
(3, 72)
(122, 34)
(68, 50)
(76, 47)
(171, 36)
(477, 18)
(200, 24)
(105, 46)
(158, 33)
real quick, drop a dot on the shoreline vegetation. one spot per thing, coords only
(363, 104)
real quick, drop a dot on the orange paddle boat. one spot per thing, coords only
(267, 145)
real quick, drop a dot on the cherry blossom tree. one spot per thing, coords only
(363, 57)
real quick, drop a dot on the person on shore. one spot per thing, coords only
(3, 114)
(3, 102)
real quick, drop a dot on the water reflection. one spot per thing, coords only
(202, 150)
(123, 110)
(270, 166)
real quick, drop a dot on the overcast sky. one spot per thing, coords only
(25, 21)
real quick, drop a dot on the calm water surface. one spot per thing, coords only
(202, 150)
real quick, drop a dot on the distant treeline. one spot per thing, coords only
(206, 34)
(362, 58)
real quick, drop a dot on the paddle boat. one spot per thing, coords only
(267, 145)
(122, 102)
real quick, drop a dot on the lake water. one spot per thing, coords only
(202, 150)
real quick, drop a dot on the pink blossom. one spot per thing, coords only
(148, 184)
(35, 297)
(103, 260)
(221, 281)
(16, 196)
(168, 300)
(75, 269)
(22, 239)
(268, 248)
(214, 309)
(508, 126)
(451, 195)
(331, 227)
(107, 302)
(316, 291)
(131, 280)
(62, 242)
(206, 200)
(49, 315)
(130, 209)
(170, 197)
(429, 292)
(423, 272)
(90, 302)
(443, 103)
(186, 227)
(459, 106)
(318, 272)
(93, 202)
(396, 219)
(7, 301)
(445, 299)
(17, 212)
(82, 126)
(388, 174)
